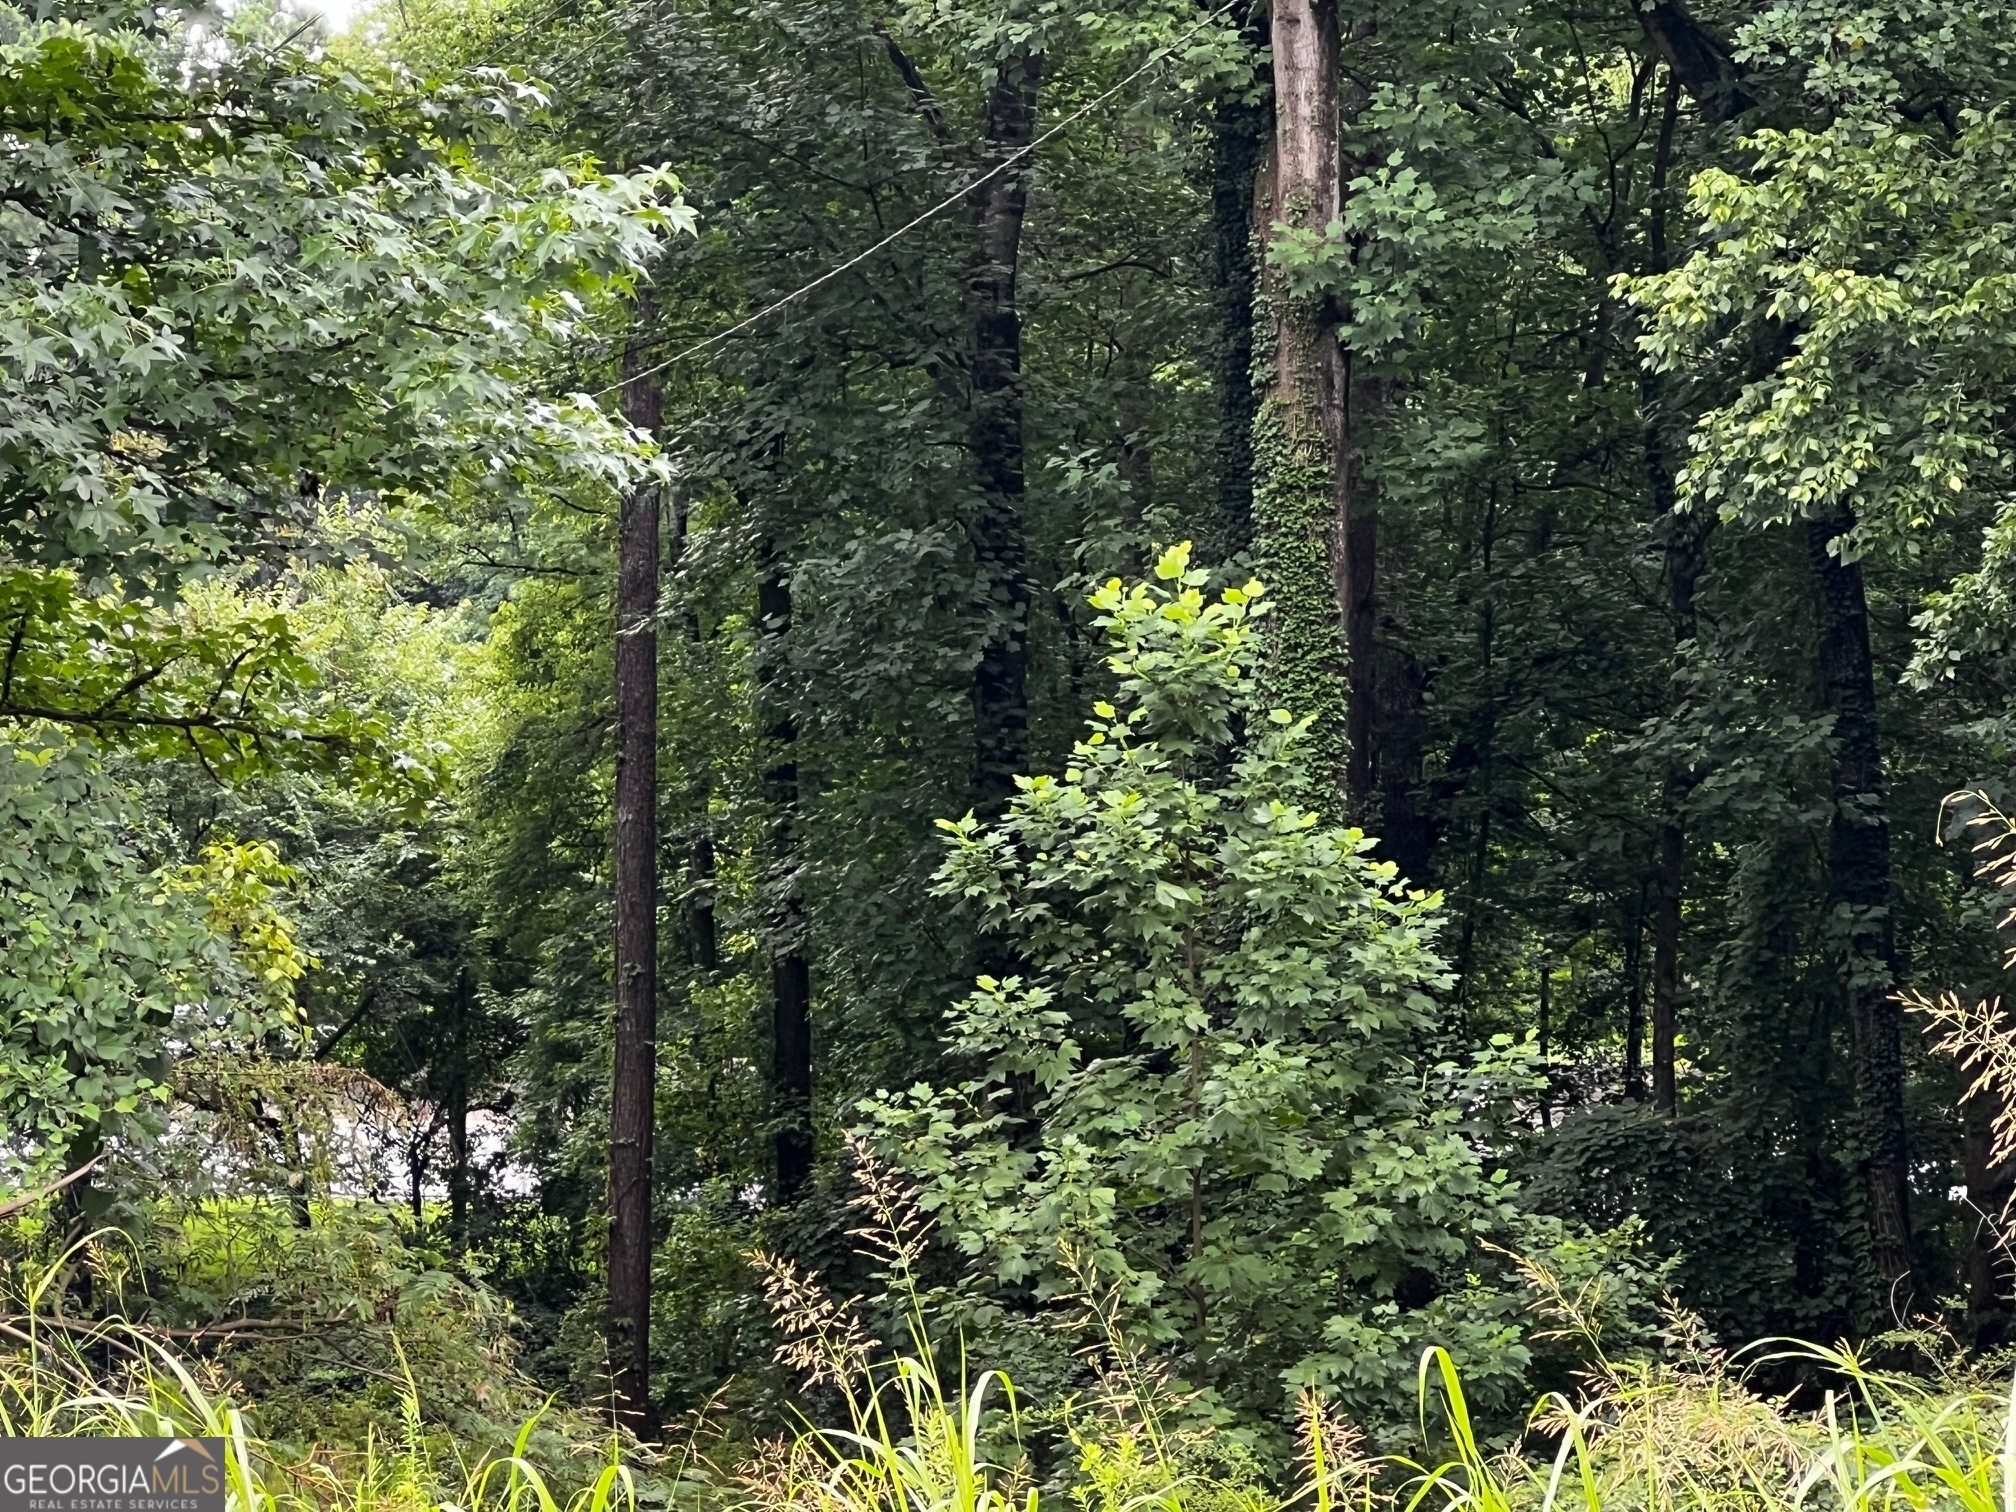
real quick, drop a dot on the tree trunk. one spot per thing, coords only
(1686, 560)
(1668, 896)
(1300, 500)
(1634, 1005)
(1238, 138)
(635, 867)
(790, 968)
(1546, 1067)
(1858, 896)
(994, 357)
(700, 927)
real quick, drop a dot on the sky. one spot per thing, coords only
(338, 13)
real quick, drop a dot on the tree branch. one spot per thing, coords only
(920, 92)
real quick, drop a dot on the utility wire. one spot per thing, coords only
(1159, 55)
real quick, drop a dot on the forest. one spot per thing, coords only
(851, 755)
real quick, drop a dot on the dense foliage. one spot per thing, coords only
(544, 704)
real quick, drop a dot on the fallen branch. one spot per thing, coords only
(27, 1200)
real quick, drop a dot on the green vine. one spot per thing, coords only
(1291, 516)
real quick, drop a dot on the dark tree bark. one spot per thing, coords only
(700, 926)
(1700, 58)
(1669, 896)
(635, 866)
(1686, 560)
(1634, 1005)
(1238, 140)
(994, 358)
(1858, 897)
(790, 966)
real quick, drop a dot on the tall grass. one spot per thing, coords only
(1693, 1437)
(63, 1379)
(1681, 1429)
(1684, 1429)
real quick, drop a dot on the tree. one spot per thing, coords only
(1301, 495)
(239, 279)
(113, 965)
(633, 1102)
(1217, 1089)
(1860, 303)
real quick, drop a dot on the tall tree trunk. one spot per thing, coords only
(1858, 896)
(1686, 560)
(1300, 499)
(1238, 140)
(635, 865)
(994, 358)
(790, 966)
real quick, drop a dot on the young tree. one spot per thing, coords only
(1217, 1089)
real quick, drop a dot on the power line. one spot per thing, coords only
(936, 210)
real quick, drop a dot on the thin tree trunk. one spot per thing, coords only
(1300, 500)
(1546, 1069)
(1686, 543)
(790, 967)
(700, 925)
(1858, 896)
(1668, 896)
(1634, 1005)
(633, 1098)
(1686, 560)
(994, 356)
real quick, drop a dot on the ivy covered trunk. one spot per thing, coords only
(1858, 896)
(1300, 483)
